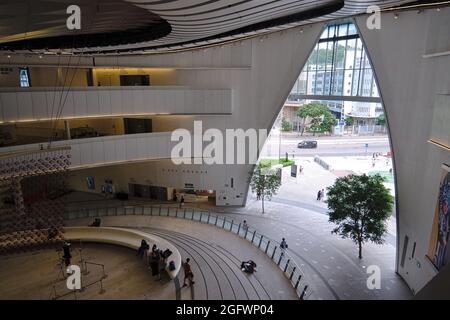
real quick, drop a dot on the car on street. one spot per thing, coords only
(307, 144)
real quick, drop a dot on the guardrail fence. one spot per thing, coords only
(271, 248)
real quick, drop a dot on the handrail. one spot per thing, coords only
(283, 259)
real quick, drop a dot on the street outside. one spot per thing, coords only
(326, 146)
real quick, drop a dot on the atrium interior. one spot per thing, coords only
(263, 150)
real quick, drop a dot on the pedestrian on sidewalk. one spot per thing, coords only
(283, 246)
(319, 195)
(188, 273)
(322, 194)
(245, 225)
(181, 201)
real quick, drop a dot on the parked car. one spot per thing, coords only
(311, 144)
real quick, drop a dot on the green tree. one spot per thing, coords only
(285, 125)
(381, 120)
(320, 117)
(360, 206)
(265, 183)
(349, 121)
(323, 56)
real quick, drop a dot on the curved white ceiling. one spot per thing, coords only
(193, 22)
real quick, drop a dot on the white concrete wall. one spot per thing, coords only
(413, 89)
(25, 104)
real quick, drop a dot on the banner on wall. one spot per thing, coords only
(439, 248)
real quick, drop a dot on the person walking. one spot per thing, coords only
(283, 246)
(181, 201)
(322, 194)
(245, 225)
(188, 273)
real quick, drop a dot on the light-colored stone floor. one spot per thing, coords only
(32, 275)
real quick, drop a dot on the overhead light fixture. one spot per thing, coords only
(40, 56)
(396, 16)
(8, 56)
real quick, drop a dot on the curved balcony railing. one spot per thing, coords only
(284, 260)
(26, 104)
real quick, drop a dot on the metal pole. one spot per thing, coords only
(303, 292)
(101, 287)
(260, 240)
(223, 224)
(292, 273)
(253, 237)
(246, 231)
(268, 242)
(287, 264)
(298, 281)
(239, 228)
(273, 253)
(209, 215)
(231, 225)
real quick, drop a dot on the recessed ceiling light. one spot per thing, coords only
(8, 56)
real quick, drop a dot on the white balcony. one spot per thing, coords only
(108, 150)
(32, 104)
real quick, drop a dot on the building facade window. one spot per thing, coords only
(338, 65)
(24, 77)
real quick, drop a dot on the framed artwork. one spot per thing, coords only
(439, 248)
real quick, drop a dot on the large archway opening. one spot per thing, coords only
(312, 153)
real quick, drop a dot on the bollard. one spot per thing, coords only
(208, 217)
(239, 229)
(253, 237)
(260, 240)
(231, 225)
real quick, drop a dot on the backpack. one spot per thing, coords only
(172, 265)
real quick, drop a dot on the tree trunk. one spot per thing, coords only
(360, 250)
(262, 203)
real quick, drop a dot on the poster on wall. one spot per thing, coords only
(90, 183)
(439, 248)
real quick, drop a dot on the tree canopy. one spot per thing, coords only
(321, 119)
(265, 183)
(381, 120)
(360, 206)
